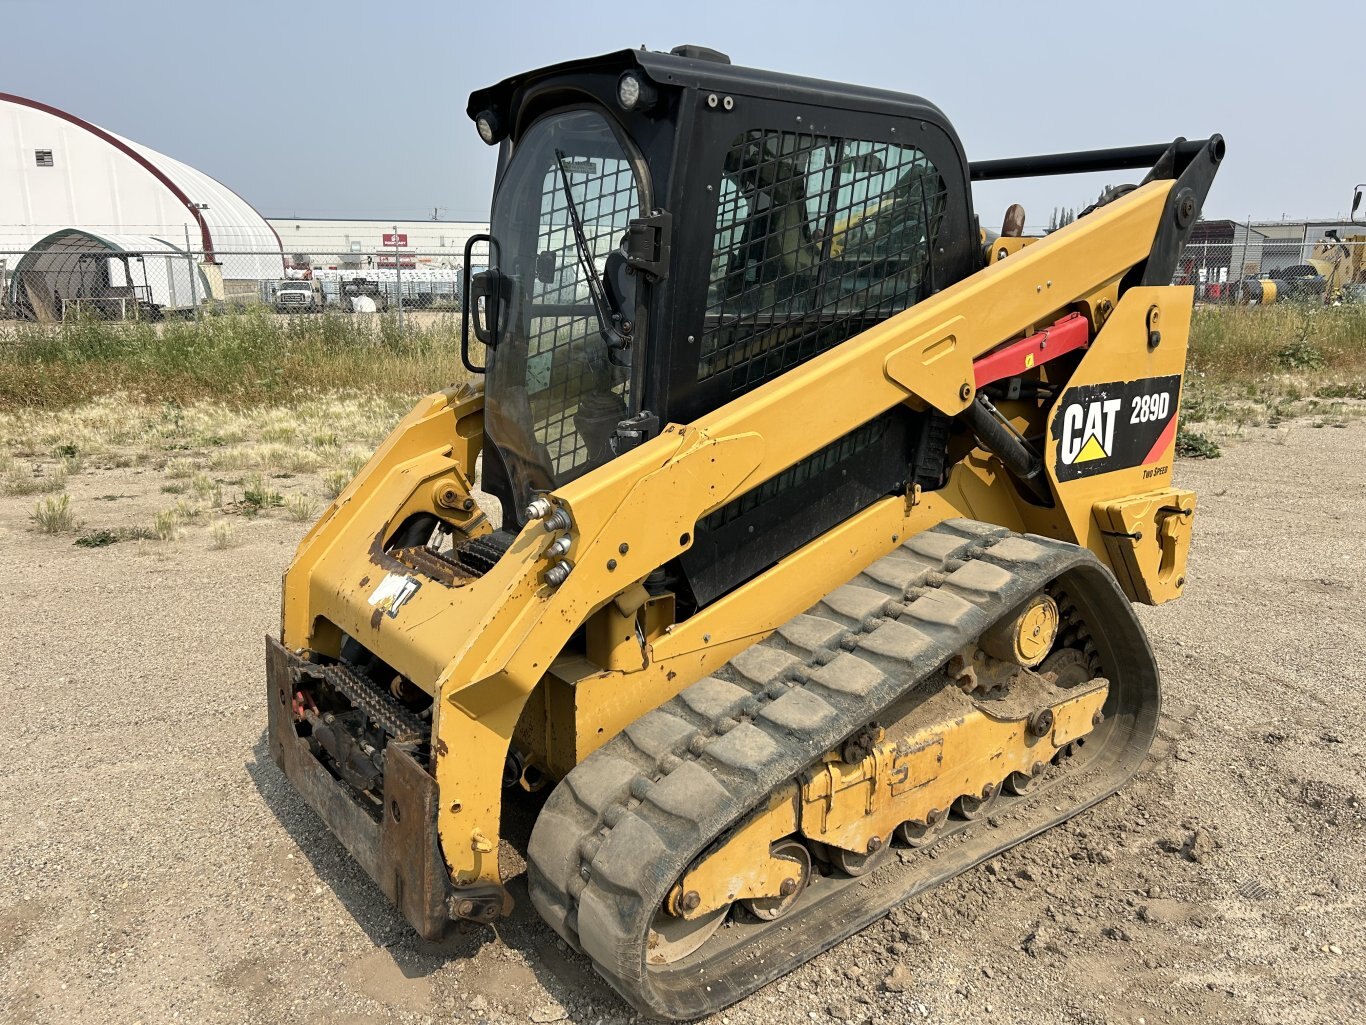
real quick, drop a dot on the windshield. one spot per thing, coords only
(552, 395)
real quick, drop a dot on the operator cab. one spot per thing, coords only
(669, 232)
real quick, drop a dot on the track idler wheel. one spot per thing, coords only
(770, 909)
(672, 939)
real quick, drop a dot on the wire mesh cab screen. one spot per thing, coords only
(553, 395)
(817, 239)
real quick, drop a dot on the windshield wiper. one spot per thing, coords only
(609, 321)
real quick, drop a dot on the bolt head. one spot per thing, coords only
(690, 901)
(874, 844)
(965, 391)
(1041, 723)
(787, 888)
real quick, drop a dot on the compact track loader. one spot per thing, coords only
(819, 520)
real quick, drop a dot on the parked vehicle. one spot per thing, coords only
(811, 588)
(299, 296)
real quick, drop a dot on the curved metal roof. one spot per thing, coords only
(231, 230)
(57, 266)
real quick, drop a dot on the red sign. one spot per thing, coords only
(395, 239)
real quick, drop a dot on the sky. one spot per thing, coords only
(344, 109)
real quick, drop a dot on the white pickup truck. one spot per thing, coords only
(297, 296)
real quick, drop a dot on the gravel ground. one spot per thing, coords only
(155, 866)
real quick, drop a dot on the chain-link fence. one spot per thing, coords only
(54, 275)
(1269, 270)
(149, 281)
(71, 274)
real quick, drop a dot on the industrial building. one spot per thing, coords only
(59, 171)
(358, 244)
(1223, 251)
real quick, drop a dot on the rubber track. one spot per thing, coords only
(622, 826)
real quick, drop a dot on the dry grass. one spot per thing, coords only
(32, 479)
(167, 525)
(53, 515)
(179, 468)
(120, 430)
(242, 359)
(1263, 364)
(187, 511)
(301, 508)
(334, 483)
(222, 534)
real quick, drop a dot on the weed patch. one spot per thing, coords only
(334, 483)
(222, 535)
(258, 495)
(53, 515)
(1194, 445)
(301, 508)
(103, 538)
(166, 525)
(27, 479)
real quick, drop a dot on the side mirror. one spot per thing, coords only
(545, 266)
(1356, 202)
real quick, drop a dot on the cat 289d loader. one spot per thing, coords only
(816, 521)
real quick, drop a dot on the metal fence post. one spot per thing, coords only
(194, 273)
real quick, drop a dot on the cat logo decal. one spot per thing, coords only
(1099, 428)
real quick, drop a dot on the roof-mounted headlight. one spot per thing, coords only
(490, 127)
(634, 93)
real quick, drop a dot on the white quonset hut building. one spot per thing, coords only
(118, 276)
(59, 171)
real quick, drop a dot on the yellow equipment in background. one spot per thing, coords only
(807, 546)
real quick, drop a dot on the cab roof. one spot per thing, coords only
(690, 70)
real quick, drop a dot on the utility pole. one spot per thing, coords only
(398, 277)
